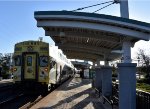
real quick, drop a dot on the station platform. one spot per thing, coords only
(5, 82)
(76, 93)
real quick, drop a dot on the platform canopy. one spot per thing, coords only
(90, 36)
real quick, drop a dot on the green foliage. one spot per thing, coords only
(144, 70)
(144, 61)
(114, 79)
(144, 80)
(114, 69)
(5, 64)
(114, 75)
(143, 86)
(114, 72)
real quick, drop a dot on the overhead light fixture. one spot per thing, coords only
(117, 51)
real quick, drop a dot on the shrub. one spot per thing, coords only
(144, 80)
(113, 78)
(143, 86)
(114, 75)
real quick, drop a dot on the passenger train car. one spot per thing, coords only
(38, 65)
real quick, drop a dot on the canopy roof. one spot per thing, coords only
(90, 36)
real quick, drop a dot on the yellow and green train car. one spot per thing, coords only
(34, 66)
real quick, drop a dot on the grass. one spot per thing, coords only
(143, 86)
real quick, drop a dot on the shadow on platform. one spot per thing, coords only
(77, 94)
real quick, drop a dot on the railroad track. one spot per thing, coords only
(18, 98)
(20, 101)
(31, 103)
(5, 88)
(10, 99)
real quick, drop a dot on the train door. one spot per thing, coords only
(30, 66)
(60, 69)
(61, 73)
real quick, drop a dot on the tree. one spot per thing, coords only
(5, 62)
(1, 58)
(144, 61)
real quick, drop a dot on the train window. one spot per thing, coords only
(29, 61)
(43, 61)
(17, 60)
(52, 62)
(18, 48)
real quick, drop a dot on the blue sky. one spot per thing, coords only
(17, 21)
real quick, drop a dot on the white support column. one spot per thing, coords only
(126, 52)
(106, 80)
(124, 10)
(127, 85)
(106, 77)
(127, 79)
(98, 78)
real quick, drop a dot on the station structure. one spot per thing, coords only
(97, 37)
(80, 65)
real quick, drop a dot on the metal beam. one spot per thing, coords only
(101, 37)
(88, 47)
(81, 50)
(94, 26)
(83, 56)
(82, 53)
(76, 51)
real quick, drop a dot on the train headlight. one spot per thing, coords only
(15, 69)
(46, 69)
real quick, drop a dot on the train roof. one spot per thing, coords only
(59, 55)
(54, 52)
(31, 42)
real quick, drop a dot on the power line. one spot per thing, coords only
(103, 7)
(93, 5)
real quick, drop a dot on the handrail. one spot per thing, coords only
(142, 97)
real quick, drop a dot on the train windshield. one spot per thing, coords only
(43, 61)
(29, 61)
(17, 60)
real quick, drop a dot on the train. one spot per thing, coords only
(37, 65)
